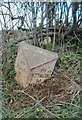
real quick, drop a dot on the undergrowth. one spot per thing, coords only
(69, 62)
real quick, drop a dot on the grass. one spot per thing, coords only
(16, 105)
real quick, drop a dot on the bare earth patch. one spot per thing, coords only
(59, 89)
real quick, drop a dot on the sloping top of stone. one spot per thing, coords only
(36, 56)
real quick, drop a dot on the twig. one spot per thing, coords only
(77, 37)
(56, 115)
(76, 94)
(68, 104)
(21, 91)
(73, 66)
(3, 48)
(26, 111)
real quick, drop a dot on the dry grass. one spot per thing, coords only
(57, 97)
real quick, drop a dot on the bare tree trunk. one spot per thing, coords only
(75, 6)
(34, 24)
(47, 25)
(42, 23)
(53, 45)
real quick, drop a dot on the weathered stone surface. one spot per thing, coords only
(33, 65)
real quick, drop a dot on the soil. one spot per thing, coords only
(60, 88)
